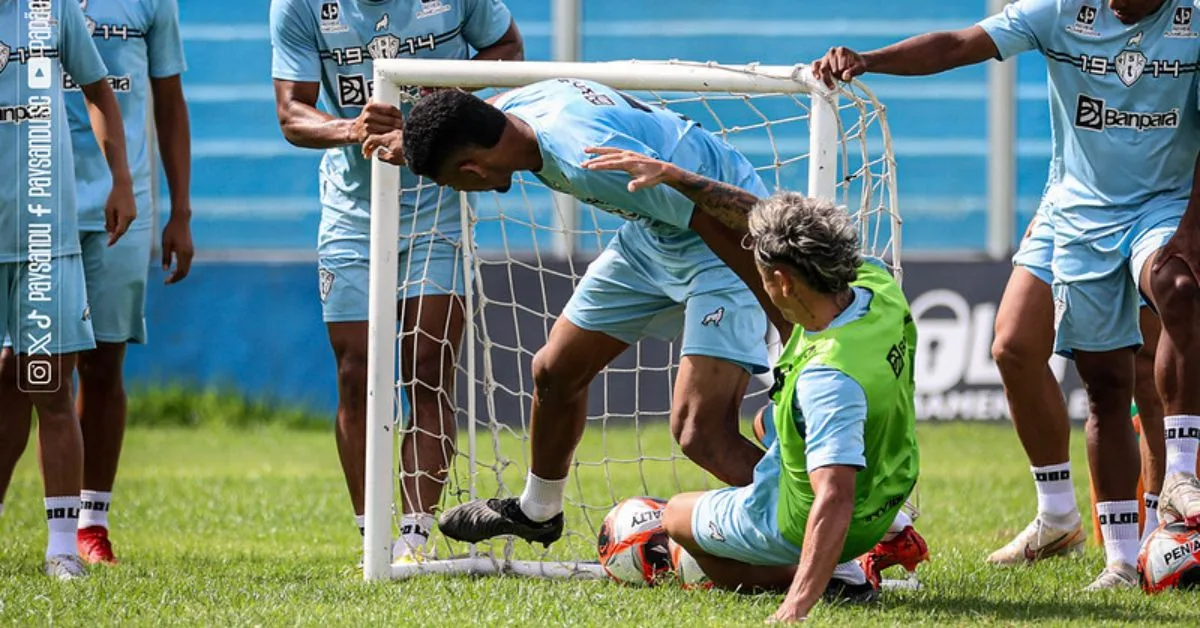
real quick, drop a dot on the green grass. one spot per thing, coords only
(218, 526)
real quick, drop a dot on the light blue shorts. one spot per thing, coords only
(116, 284)
(741, 523)
(647, 285)
(1096, 296)
(430, 262)
(45, 311)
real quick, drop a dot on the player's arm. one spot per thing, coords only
(82, 61)
(729, 204)
(834, 408)
(824, 536)
(1023, 25)
(173, 127)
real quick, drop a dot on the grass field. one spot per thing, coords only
(251, 526)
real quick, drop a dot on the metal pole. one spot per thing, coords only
(1002, 105)
(567, 17)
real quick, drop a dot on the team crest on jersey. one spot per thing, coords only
(384, 47)
(1181, 24)
(430, 8)
(1085, 22)
(1131, 62)
(383, 23)
(4, 52)
(331, 18)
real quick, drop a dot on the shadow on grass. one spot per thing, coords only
(970, 606)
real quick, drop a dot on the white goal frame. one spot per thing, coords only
(390, 74)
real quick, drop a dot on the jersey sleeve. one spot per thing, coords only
(660, 203)
(294, 53)
(834, 408)
(1021, 26)
(486, 22)
(164, 46)
(80, 59)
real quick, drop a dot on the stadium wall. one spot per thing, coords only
(256, 329)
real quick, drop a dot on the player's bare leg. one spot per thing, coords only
(349, 343)
(431, 332)
(1113, 460)
(1022, 348)
(705, 415)
(16, 418)
(101, 407)
(1152, 444)
(562, 371)
(724, 572)
(1177, 369)
(60, 453)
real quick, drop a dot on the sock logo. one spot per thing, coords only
(1052, 476)
(1118, 518)
(62, 513)
(97, 506)
(414, 528)
(1183, 432)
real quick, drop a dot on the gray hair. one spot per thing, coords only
(809, 236)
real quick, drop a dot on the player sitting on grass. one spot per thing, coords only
(1126, 132)
(43, 297)
(842, 457)
(661, 273)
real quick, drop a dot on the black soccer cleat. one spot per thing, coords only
(480, 519)
(841, 591)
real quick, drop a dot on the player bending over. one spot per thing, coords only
(1126, 131)
(329, 47)
(117, 274)
(842, 456)
(47, 318)
(658, 275)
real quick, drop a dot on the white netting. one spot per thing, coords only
(528, 250)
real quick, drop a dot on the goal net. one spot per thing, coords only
(522, 253)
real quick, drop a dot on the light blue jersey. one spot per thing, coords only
(333, 42)
(37, 198)
(1123, 105)
(138, 40)
(657, 277)
(742, 523)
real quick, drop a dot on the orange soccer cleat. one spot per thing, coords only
(94, 546)
(907, 548)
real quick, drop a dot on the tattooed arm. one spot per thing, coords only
(728, 204)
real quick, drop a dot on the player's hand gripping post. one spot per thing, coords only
(379, 128)
(839, 63)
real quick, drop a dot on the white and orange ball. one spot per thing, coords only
(1170, 559)
(687, 570)
(632, 542)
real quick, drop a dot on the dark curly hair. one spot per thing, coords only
(445, 122)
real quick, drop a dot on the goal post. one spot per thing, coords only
(833, 144)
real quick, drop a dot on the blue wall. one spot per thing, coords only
(257, 326)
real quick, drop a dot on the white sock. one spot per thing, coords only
(1183, 438)
(361, 522)
(1055, 492)
(850, 572)
(62, 518)
(1119, 527)
(414, 532)
(901, 522)
(542, 499)
(1151, 522)
(93, 508)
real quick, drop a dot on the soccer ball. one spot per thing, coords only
(690, 575)
(1170, 559)
(632, 542)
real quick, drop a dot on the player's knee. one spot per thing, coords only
(1013, 351)
(1108, 390)
(1175, 293)
(552, 379)
(352, 380)
(100, 369)
(430, 371)
(677, 517)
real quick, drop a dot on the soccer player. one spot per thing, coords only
(669, 268)
(43, 299)
(842, 453)
(139, 42)
(328, 46)
(1122, 85)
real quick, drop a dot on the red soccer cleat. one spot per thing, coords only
(906, 548)
(94, 546)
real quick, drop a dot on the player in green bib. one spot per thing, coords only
(842, 458)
